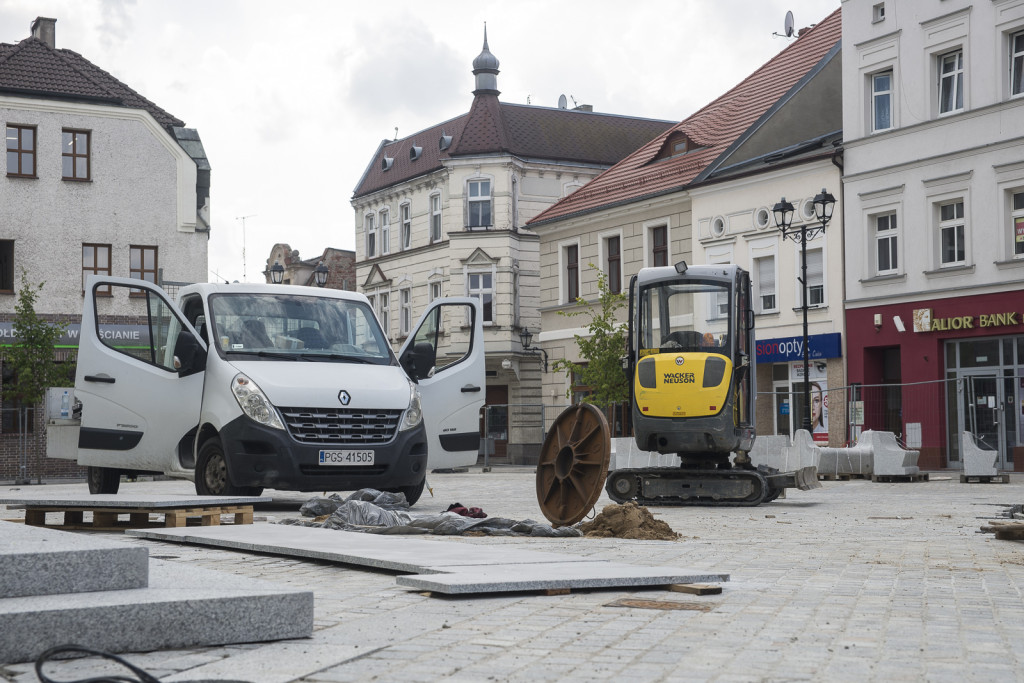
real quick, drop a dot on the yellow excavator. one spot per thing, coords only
(691, 364)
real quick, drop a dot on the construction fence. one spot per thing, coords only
(927, 416)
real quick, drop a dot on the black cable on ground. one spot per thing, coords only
(53, 652)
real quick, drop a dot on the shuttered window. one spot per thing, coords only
(815, 278)
(766, 284)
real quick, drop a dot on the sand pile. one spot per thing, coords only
(628, 520)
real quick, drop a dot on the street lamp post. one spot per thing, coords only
(824, 203)
(320, 274)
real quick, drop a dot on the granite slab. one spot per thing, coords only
(394, 553)
(552, 576)
(440, 566)
(183, 606)
(37, 561)
(113, 500)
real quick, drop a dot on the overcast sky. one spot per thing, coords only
(292, 98)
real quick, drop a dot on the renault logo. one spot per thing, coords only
(344, 397)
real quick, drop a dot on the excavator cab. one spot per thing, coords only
(692, 380)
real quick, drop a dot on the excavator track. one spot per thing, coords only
(675, 486)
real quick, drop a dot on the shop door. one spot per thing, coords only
(981, 411)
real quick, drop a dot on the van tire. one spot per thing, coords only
(412, 493)
(103, 479)
(212, 473)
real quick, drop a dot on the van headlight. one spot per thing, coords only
(254, 403)
(414, 413)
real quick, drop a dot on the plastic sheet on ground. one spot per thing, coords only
(362, 512)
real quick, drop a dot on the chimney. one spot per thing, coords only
(44, 29)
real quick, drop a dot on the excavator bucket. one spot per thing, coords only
(807, 478)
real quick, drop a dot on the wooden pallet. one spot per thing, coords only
(893, 478)
(116, 519)
(842, 476)
(1006, 531)
(984, 479)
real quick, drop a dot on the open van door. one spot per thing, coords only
(140, 385)
(445, 355)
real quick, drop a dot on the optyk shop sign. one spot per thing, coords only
(788, 349)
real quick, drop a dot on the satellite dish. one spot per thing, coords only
(562, 102)
(789, 24)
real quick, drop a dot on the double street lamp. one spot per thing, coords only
(824, 203)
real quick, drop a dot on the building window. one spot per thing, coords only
(951, 82)
(405, 310)
(435, 218)
(385, 231)
(7, 266)
(1017, 219)
(881, 101)
(435, 291)
(142, 265)
(371, 236)
(815, 278)
(75, 155)
(765, 269)
(405, 210)
(613, 264)
(478, 198)
(1017, 63)
(481, 286)
(572, 272)
(384, 311)
(21, 151)
(952, 251)
(659, 246)
(96, 261)
(886, 244)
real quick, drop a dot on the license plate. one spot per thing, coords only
(346, 457)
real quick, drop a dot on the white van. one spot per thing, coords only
(246, 386)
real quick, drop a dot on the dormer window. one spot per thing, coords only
(445, 141)
(415, 152)
(676, 144)
(386, 163)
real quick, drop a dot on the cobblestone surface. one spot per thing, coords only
(856, 581)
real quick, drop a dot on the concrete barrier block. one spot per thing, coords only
(626, 455)
(890, 459)
(978, 461)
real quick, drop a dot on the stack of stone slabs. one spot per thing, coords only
(436, 565)
(59, 587)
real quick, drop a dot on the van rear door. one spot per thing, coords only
(140, 384)
(445, 355)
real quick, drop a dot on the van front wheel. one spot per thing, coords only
(212, 473)
(412, 493)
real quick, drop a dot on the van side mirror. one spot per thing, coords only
(189, 355)
(419, 360)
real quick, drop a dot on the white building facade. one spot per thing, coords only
(933, 118)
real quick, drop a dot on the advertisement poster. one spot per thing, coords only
(819, 398)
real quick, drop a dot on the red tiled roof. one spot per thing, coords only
(717, 126)
(494, 127)
(33, 68)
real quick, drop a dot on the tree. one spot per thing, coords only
(602, 350)
(31, 358)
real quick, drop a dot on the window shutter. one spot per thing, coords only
(766, 276)
(815, 268)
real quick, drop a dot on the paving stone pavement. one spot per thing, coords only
(856, 581)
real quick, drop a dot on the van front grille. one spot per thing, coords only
(341, 426)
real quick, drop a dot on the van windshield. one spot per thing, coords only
(296, 327)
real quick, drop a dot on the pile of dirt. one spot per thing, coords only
(628, 520)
